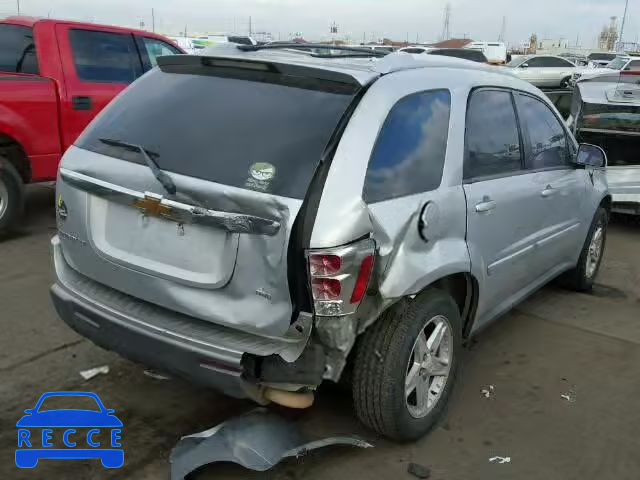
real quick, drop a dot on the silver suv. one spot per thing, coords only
(263, 221)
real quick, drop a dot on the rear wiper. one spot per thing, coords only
(162, 177)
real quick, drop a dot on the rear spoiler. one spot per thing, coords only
(193, 63)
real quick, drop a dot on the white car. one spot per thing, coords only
(618, 64)
(546, 71)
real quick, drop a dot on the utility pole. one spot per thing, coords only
(153, 21)
(250, 26)
(503, 29)
(18, 6)
(446, 23)
(624, 19)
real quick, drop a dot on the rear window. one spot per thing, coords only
(256, 130)
(602, 56)
(625, 118)
(17, 49)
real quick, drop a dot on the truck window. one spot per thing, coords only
(104, 57)
(156, 48)
(17, 50)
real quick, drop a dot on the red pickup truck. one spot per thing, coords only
(55, 76)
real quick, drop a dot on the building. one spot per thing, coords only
(453, 43)
(609, 36)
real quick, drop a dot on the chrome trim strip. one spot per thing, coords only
(179, 212)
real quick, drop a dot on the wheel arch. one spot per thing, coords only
(13, 151)
(606, 203)
(464, 289)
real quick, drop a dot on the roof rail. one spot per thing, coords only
(363, 52)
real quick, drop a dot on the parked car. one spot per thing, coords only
(545, 71)
(495, 52)
(622, 63)
(606, 112)
(464, 53)
(600, 59)
(576, 59)
(377, 213)
(56, 77)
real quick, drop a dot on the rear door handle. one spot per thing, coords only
(547, 192)
(81, 103)
(486, 205)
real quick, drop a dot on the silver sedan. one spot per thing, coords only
(544, 70)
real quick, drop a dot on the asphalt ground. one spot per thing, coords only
(557, 343)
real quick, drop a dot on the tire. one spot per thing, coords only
(381, 366)
(11, 196)
(564, 83)
(582, 278)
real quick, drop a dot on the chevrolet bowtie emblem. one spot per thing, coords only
(152, 206)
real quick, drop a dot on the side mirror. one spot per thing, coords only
(591, 156)
(524, 65)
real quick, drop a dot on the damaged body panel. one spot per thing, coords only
(257, 440)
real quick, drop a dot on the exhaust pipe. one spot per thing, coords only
(296, 400)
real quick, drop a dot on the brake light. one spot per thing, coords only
(340, 276)
(326, 288)
(323, 265)
(363, 279)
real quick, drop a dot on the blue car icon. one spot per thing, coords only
(68, 419)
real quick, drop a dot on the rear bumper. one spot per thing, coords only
(199, 351)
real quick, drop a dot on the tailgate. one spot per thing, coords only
(241, 148)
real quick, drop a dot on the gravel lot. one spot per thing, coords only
(557, 342)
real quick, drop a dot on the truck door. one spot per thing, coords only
(98, 63)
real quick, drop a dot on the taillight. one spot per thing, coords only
(340, 277)
(363, 279)
(326, 288)
(324, 264)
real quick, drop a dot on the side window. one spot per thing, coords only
(537, 62)
(633, 65)
(104, 57)
(558, 62)
(156, 48)
(17, 50)
(547, 137)
(409, 154)
(492, 140)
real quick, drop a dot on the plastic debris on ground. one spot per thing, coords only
(419, 471)
(94, 372)
(155, 375)
(487, 392)
(570, 396)
(500, 460)
(257, 440)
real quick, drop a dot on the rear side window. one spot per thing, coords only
(547, 138)
(105, 57)
(634, 65)
(492, 139)
(258, 130)
(558, 62)
(17, 50)
(409, 154)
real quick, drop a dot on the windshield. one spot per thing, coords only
(263, 131)
(617, 63)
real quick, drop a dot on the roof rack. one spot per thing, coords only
(356, 52)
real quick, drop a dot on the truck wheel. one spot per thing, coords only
(11, 196)
(583, 276)
(406, 364)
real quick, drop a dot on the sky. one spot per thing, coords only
(576, 20)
